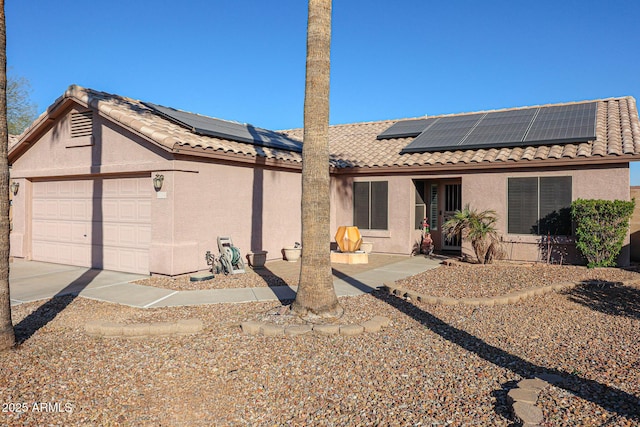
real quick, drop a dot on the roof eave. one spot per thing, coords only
(468, 167)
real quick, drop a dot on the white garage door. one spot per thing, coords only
(99, 223)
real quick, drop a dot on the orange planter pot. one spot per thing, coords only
(348, 238)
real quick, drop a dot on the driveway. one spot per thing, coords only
(33, 280)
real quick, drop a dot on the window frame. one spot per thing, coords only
(371, 198)
(542, 200)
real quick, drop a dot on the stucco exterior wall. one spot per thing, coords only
(398, 237)
(489, 191)
(635, 226)
(201, 199)
(258, 208)
(110, 151)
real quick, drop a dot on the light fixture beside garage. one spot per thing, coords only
(157, 182)
(14, 187)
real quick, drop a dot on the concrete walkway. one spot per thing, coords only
(32, 281)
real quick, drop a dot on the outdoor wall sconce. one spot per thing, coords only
(14, 187)
(157, 182)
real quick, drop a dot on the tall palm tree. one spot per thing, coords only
(316, 296)
(7, 335)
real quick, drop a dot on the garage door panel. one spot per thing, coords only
(45, 230)
(102, 223)
(80, 233)
(82, 210)
(128, 210)
(110, 210)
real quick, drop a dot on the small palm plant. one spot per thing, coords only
(479, 228)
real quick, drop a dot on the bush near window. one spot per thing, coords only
(601, 226)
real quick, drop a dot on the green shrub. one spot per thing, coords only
(601, 226)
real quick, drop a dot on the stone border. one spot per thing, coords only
(101, 328)
(524, 397)
(374, 324)
(510, 298)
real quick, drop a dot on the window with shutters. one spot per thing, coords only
(539, 205)
(370, 205)
(420, 204)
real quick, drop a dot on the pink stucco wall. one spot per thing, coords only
(488, 191)
(257, 206)
(482, 189)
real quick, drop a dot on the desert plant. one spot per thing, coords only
(479, 228)
(601, 226)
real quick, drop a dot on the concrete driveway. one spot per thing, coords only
(33, 280)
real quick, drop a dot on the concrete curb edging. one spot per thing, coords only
(100, 328)
(375, 324)
(510, 298)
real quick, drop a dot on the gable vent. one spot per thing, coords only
(81, 124)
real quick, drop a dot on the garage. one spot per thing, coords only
(95, 222)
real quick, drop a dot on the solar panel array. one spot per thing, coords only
(559, 124)
(406, 128)
(209, 126)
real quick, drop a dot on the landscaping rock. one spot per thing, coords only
(251, 327)
(532, 384)
(271, 330)
(296, 330)
(527, 413)
(385, 322)
(189, 326)
(351, 330)
(371, 326)
(326, 329)
(523, 395)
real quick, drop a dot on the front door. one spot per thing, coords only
(452, 203)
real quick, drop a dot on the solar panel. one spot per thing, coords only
(209, 126)
(406, 128)
(500, 127)
(559, 124)
(445, 132)
(564, 123)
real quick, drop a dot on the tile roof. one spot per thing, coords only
(355, 145)
(617, 135)
(136, 116)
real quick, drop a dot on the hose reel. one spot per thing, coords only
(230, 259)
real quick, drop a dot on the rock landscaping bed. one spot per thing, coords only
(250, 279)
(436, 365)
(462, 280)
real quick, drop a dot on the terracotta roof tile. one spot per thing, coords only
(555, 152)
(503, 155)
(542, 152)
(584, 149)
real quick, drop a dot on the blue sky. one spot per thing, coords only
(244, 60)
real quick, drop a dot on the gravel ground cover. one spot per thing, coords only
(475, 280)
(435, 366)
(249, 279)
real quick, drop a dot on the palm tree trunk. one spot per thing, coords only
(7, 335)
(316, 295)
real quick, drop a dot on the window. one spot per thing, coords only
(420, 204)
(370, 205)
(539, 205)
(433, 207)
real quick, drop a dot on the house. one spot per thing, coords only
(86, 170)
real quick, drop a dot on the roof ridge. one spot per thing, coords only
(495, 110)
